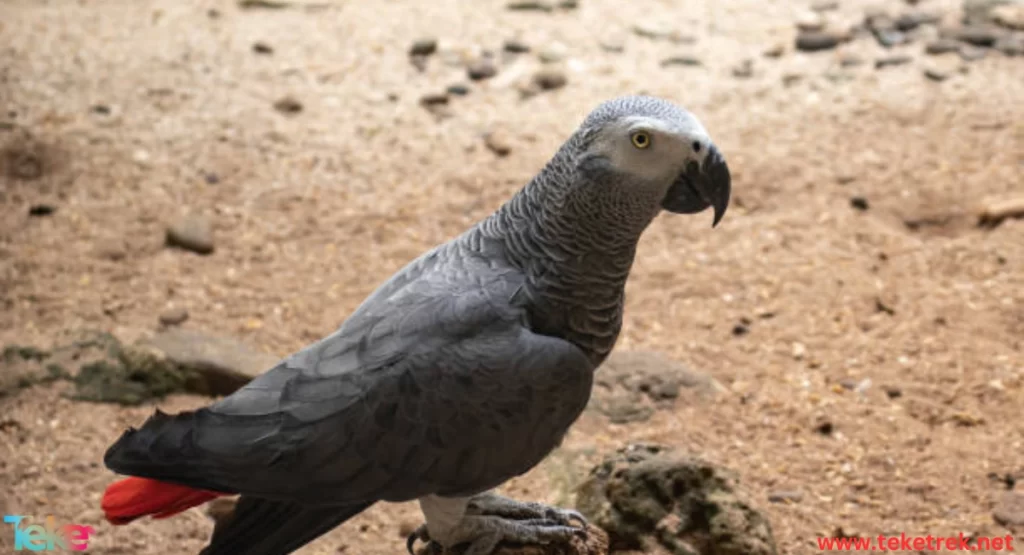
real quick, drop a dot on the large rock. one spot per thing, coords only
(651, 498)
(631, 385)
(217, 365)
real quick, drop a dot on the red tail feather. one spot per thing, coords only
(132, 498)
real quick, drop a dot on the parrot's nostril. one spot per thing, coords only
(696, 146)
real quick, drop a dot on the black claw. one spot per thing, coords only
(420, 533)
(410, 542)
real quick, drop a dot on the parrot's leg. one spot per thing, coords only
(492, 504)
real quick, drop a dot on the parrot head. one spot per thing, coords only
(653, 145)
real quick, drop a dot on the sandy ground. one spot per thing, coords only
(312, 210)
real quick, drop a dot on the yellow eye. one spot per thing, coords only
(641, 140)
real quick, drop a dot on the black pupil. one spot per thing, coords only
(696, 146)
(642, 139)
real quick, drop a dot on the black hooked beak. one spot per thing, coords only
(701, 186)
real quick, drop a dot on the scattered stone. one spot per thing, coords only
(849, 383)
(614, 45)
(192, 232)
(740, 329)
(650, 495)
(1009, 510)
(681, 60)
(211, 178)
(173, 316)
(498, 142)
(810, 22)
(263, 4)
(890, 37)
(37, 210)
(890, 61)
(434, 99)
(553, 53)
(977, 35)
(529, 5)
(744, 69)
(482, 68)
(825, 5)
(860, 203)
(458, 89)
(632, 385)
(970, 53)
(568, 4)
(912, 20)
(656, 30)
(775, 51)
(550, 78)
(131, 375)
(942, 46)
(419, 62)
(219, 365)
(980, 11)
(1011, 45)
(25, 366)
(516, 46)
(850, 60)
(814, 42)
(101, 109)
(785, 496)
(288, 105)
(260, 47)
(936, 73)
(1010, 16)
(423, 47)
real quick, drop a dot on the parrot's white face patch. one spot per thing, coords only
(652, 149)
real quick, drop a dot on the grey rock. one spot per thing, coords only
(942, 46)
(744, 69)
(936, 73)
(434, 99)
(550, 78)
(1011, 45)
(498, 142)
(976, 35)
(813, 42)
(458, 89)
(192, 232)
(480, 69)
(912, 20)
(681, 60)
(980, 11)
(970, 53)
(423, 47)
(516, 46)
(631, 385)
(890, 61)
(652, 498)
(288, 105)
(530, 5)
(221, 365)
(173, 316)
(825, 5)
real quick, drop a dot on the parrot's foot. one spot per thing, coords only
(492, 504)
(482, 534)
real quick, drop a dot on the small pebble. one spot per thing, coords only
(613, 45)
(498, 143)
(550, 78)
(859, 203)
(824, 427)
(810, 21)
(891, 61)
(553, 53)
(434, 99)
(262, 48)
(516, 46)
(37, 210)
(173, 316)
(743, 70)
(813, 42)
(288, 105)
(192, 232)
(977, 35)
(423, 47)
(480, 69)
(529, 5)
(936, 73)
(942, 46)
(684, 60)
(774, 51)
(458, 89)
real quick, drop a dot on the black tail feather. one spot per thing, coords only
(264, 527)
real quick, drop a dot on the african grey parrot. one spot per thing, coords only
(463, 370)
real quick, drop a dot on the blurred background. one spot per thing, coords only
(190, 190)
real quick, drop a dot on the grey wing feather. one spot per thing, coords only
(444, 391)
